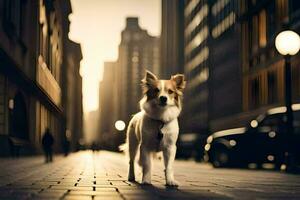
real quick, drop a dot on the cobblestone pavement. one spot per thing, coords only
(102, 175)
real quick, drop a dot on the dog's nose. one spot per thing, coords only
(163, 99)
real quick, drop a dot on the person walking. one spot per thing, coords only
(47, 142)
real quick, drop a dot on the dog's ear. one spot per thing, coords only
(149, 76)
(148, 81)
(179, 80)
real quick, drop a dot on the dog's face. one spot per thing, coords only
(163, 93)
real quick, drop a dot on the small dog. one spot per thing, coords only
(155, 128)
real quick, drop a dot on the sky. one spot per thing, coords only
(97, 26)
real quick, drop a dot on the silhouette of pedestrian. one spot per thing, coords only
(47, 142)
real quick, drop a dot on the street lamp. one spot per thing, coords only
(287, 44)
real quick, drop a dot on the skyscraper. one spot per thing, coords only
(138, 51)
(172, 33)
(196, 65)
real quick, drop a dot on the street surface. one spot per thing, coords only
(102, 175)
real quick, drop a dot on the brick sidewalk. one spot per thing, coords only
(102, 175)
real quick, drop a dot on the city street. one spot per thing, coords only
(102, 175)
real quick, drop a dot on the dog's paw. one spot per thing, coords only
(172, 183)
(131, 179)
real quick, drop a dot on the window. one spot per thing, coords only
(262, 29)
(271, 21)
(14, 16)
(282, 8)
(254, 34)
(296, 82)
(254, 91)
(272, 87)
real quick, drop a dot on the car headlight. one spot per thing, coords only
(232, 143)
(209, 139)
(207, 147)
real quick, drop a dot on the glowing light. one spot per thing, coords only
(11, 104)
(272, 134)
(209, 139)
(254, 123)
(232, 143)
(207, 147)
(233, 131)
(120, 125)
(287, 43)
(283, 167)
(270, 158)
(188, 137)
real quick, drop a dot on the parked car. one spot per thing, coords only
(190, 145)
(265, 140)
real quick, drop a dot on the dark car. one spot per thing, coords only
(265, 140)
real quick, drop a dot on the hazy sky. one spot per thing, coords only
(97, 25)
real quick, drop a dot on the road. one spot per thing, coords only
(102, 175)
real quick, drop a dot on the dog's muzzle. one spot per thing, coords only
(163, 100)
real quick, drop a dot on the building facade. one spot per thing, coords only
(233, 70)
(109, 100)
(31, 54)
(196, 65)
(172, 34)
(225, 75)
(262, 66)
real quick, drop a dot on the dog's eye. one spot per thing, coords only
(170, 91)
(156, 90)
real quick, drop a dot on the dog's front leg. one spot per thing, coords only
(169, 156)
(146, 163)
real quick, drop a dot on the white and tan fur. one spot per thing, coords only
(161, 105)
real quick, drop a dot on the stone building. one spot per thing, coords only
(32, 37)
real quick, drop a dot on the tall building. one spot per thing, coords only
(196, 65)
(233, 70)
(172, 35)
(262, 66)
(72, 94)
(71, 83)
(225, 73)
(109, 138)
(138, 51)
(32, 35)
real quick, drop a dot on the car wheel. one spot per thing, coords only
(221, 157)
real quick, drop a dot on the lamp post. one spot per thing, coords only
(287, 44)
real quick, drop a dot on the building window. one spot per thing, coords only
(14, 16)
(262, 20)
(272, 87)
(271, 21)
(282, 8)
(254, 34)
(296, 82)
(254, 94)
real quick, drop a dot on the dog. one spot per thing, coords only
(155, 128)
